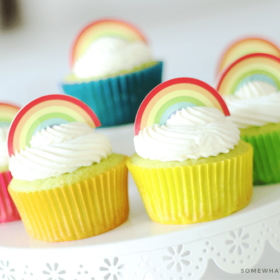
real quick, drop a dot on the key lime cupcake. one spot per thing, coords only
(8, 211)
(112, 70)
(67, 185)
(190, 165)
(246, 46)
(250, 87)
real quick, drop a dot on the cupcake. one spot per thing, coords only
(112, 70)
(250, 87)
(67, 184)
(246, 46)
(190, 165)
(8, 211)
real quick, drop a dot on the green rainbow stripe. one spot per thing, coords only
(45, 121)
(263, 76)
(173, 95)
(252, 67)
(47, 111)
(101, 28)
(7, 113)
(173, 105)
(5, 120)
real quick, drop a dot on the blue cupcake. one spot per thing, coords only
(112, 71)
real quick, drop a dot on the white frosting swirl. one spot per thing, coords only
(190, 133)
(111, 55)
(4, 157)
(59, 149)
(255, 89)
(255, 104)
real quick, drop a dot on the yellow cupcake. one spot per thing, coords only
(67, 184)
(194, 191)
(190, 165)
(87, 202)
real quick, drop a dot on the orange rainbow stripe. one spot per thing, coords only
(246, 46)
(99, 29)
(252, 67)
(7, 113)
(47, 111)
(168, 97)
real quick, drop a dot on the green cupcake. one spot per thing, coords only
(265, 141)
(250, 87)
(84, 203)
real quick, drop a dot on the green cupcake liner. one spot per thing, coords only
(266, 143)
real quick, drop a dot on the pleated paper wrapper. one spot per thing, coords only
(8, 210)
(116, 100)
(266, 156)
(77, 211)
(199, 193)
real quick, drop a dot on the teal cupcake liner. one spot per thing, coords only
(116, 100)
(266, 160)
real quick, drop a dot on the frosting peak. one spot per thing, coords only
(59, 149)
(111, 55)
(255, 104)
(255, 89)
(190, 133)
(195, 116)
(59, 134)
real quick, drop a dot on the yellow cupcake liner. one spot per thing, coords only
(199, 193)
(76, 211)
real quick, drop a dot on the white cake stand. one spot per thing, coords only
(144, 250)
(141, 249)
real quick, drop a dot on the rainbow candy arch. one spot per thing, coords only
(244, 47)
(7, 113)
(100, 28)
(168, 97)
(252, 67)
(46, 111)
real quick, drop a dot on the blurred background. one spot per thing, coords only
(189, 35)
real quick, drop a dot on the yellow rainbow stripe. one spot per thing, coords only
(177, 90)
(100, 29)
(264, 66)
(47, 111)
(173, 95)
(247, 46)
(7, 113)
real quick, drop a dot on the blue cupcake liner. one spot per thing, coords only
(116, 100)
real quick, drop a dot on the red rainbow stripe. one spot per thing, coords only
(114, 22)
(169, 83)
(8, 111)
(28, 108)
(16, 107)
(221, 65)
(241, 59)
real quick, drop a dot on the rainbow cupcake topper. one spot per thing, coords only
(44, 112)
(173, 95)
(7, 113)
(252, 67)
(244, 47)
(103, 28)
